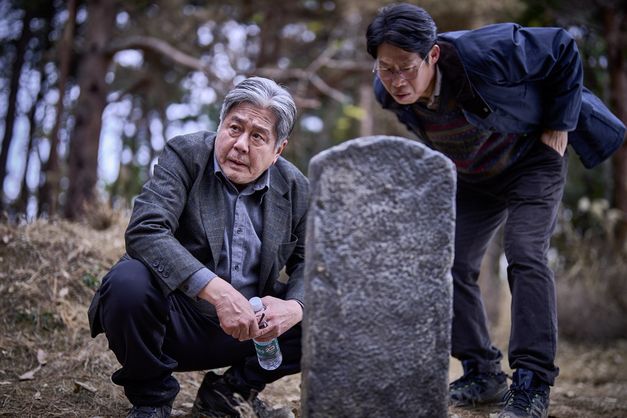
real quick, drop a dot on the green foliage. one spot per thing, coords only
(582, 182)
(346, 124)
(91, 280)
(48, 321)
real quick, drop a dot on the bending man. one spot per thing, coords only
(502, 102)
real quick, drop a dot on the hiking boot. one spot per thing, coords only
(162, 411)
(528, 397)
(475, 388)
(229, 397)
(263, 410)
(215, 398)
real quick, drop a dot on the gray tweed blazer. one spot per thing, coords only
(177, 224)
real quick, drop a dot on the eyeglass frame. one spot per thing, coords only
(399, 72)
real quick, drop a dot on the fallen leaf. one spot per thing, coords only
(41, 357)
(30, 375)
(5, 382)
(63, 292)
(82, 385)
(37, 396)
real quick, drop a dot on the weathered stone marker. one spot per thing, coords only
(378, 289)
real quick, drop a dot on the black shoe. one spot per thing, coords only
(528, 397)
(228, 397)
(162, 411)
(263, 410)
(215, 399)
(475, 388)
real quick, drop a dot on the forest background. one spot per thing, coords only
(90, 91)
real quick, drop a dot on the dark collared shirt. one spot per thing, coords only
(241, 250)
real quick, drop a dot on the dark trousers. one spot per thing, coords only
(526, 197)
(153, 335)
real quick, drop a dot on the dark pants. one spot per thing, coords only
(526, 197)
(153, 335)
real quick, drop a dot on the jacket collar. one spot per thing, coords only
(455, 75)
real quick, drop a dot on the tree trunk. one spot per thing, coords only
(49, 188)
(85, 138)
(16, 71)
(366, 103)
(613, 19)
(21, 203)
(270, 43)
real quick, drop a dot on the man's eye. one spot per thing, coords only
(258, 138)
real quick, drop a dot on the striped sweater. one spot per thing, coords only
(477, 154)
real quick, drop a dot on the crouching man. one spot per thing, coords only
(221, 216)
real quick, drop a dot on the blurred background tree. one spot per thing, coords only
(92, 89)
(95, 88)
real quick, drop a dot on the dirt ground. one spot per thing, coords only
(50, 367)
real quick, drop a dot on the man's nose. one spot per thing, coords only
(397, 80)
(241, 144)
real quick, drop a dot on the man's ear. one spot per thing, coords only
(434, 54)
(280, 150)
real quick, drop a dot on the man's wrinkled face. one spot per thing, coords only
(245, 143)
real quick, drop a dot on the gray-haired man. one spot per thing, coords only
(221, 216)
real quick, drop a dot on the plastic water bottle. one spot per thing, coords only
(268, 352)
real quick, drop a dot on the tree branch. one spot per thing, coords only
(159, 46)
(308, 75)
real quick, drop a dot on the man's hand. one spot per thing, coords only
(236, 316)
(558, 140)
(280, 315)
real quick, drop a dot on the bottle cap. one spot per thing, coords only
(256, 304)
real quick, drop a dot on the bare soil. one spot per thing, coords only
(50, 367)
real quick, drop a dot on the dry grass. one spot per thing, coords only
(591, 272)
(48, 272)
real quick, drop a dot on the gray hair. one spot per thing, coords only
(266, 94)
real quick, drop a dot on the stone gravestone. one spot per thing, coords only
(378, 290)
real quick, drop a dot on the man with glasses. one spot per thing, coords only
(502, 102)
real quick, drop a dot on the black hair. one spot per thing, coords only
(403, 25)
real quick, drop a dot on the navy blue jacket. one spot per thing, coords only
(522, 80)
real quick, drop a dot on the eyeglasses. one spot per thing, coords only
(388, 74)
